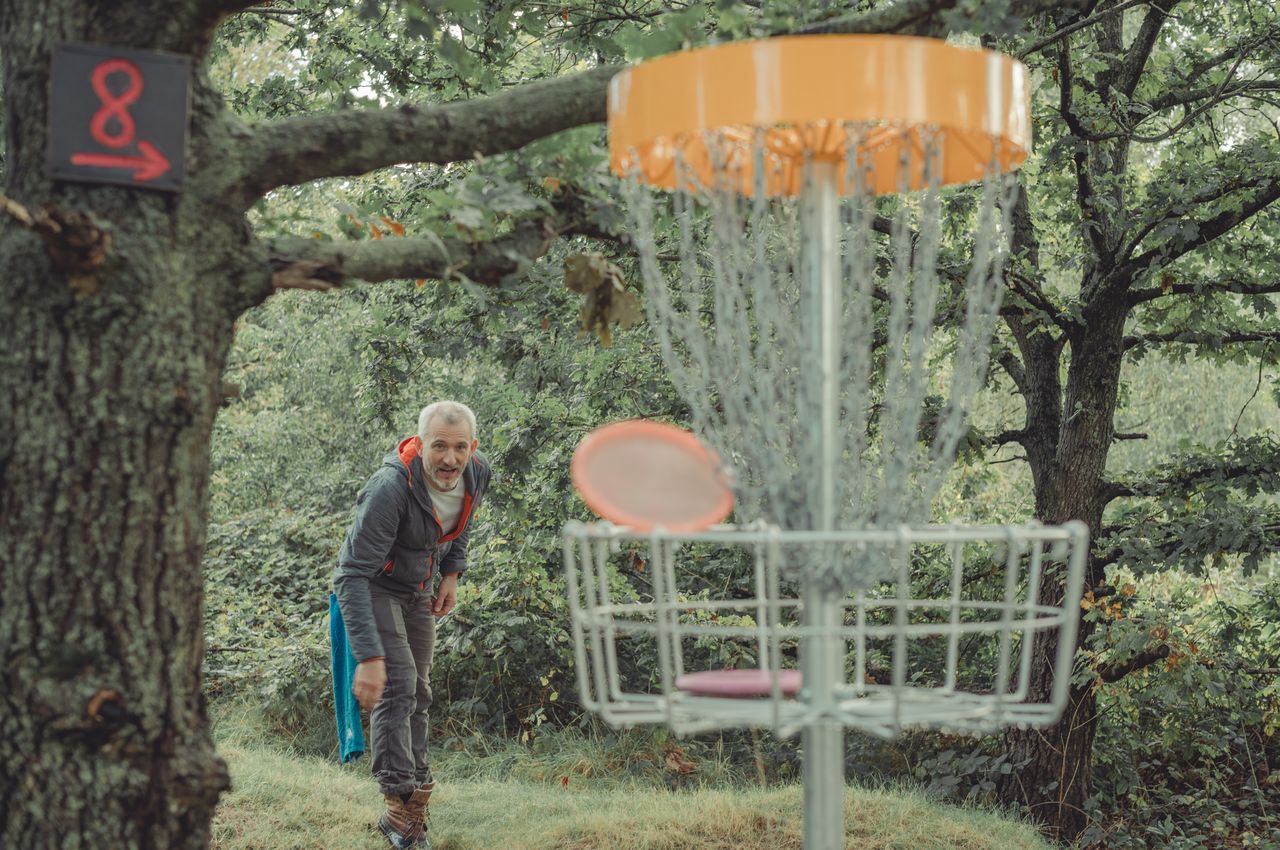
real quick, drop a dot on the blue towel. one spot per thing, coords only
(347, 710)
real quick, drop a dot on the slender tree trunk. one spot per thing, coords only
(118, 311)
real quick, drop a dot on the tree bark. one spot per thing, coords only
(103, 732)
(1055, 781)
(117, 319)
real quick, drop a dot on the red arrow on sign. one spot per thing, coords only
(150, 165)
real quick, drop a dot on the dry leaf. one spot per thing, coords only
(678, 761)
(606, 300)
(625, 309)
(585, 272)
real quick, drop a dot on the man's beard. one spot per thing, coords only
(443, 484)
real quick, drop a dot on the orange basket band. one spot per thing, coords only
(803, 90)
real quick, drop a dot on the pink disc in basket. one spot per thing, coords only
(646, 475)
(738, 683)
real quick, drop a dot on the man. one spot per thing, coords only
(411, 522)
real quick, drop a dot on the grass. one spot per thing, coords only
(283, 801)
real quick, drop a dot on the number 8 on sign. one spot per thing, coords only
(115, 106)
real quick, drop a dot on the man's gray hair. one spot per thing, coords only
(454, 413)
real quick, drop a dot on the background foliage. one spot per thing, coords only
(1187, 746)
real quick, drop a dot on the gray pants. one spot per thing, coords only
(398, 725)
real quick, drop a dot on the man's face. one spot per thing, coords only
(446, 451)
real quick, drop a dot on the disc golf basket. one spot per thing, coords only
(805, 179)
(898, 655)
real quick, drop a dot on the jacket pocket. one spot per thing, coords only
(410, 567)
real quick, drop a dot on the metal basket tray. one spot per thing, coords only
(874, 656)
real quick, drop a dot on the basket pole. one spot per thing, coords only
(822, 650)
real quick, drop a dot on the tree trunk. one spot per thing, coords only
(119, 306)
(107, 416)
(1055, 782)
(1056, 776)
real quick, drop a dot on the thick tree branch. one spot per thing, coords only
(1255, 39)
(1140, 111)
(1216, 95)
(1033, 295)
(298, 150)
(224, 8)
(1186, 120)
(1024, 276)
(1035, 368)
(1252, 464)
(1199, 199)
(1219, 93)
(1201, 338)
(1079, 25)
(1084, 184)
(1109, 492)
(1016, 435)
(1115, 672)
(311, 264)
(1140, 50)
(1207, 231)
(893, 18)
(1014, 368)
(1105, 559)
(1201, 288)
(917, 16)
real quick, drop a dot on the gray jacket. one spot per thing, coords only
(396, 540)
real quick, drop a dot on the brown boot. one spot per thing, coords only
(416, 810)
(398, 827)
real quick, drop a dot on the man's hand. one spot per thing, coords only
(446, 595)
(371, 678)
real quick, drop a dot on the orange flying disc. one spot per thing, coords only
(644, 475)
